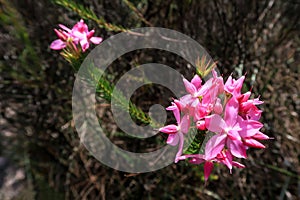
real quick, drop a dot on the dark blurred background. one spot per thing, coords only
(40, 153)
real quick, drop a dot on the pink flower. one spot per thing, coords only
(233, 86)
(201, 98)
(79, 34)
(176, 131)
(228, 129)
(250, 133)
(192, 98)
(224, 157)
(209, 93)
(247, 108)
(234, 131)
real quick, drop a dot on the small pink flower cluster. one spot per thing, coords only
(79, 34)
(219, 108)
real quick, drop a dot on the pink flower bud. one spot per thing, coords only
(218, 108)
(61, 35)
(169, 129)
(201, 125)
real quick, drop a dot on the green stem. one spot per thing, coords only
(283, 171)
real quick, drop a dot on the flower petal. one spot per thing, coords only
(237, 164)
(208, 167)
(214, 146)
(253, 143)
(228, 160)
(96, 40)
(64, 28)
(186, 100)
(249, 127)
(79, 35)
(84, 45)
(237, 148)
(61, 34)
(225, 157)
(185, 124)
(174, 107)
(215, 123)
(173, 139)
(196, 81)
(57, 44)
(190, 88)
(231, 112)
(260, 136)
(180, 147)
(169, 129)
(218, 108)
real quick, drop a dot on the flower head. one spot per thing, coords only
(79, 34)
(221, 109)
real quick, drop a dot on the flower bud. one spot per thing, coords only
(201, 125)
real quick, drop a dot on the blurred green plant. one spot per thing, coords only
(30, 64)
(88, 14)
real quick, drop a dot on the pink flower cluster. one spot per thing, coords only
(79, 34)
(220, 108)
